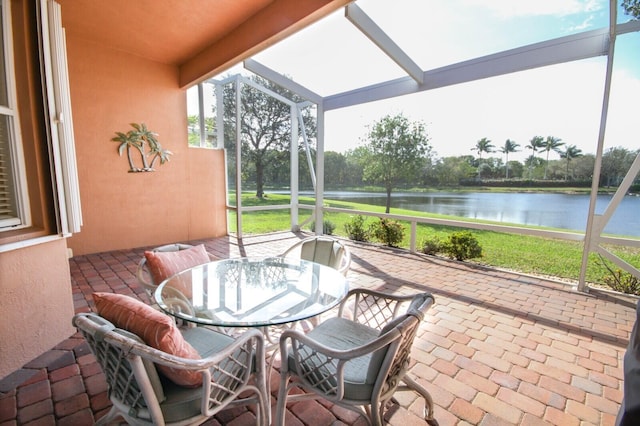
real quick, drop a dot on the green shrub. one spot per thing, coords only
(462, 245)
(356, 230)
(432, 246)
(387, 231)
(621, 281)
(327, 227)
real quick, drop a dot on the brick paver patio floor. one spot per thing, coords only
(497, 348)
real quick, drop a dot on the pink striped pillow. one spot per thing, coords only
(154, 328)
(163, 265)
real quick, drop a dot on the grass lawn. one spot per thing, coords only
(527, 254)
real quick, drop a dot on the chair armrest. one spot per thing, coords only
(346, 261)
(372, 308)
(254, 337)
(346, 355)
(160, 357)
(144, 277)
(323, 367)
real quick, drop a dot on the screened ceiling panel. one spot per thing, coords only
(330, 57)
(333, 56)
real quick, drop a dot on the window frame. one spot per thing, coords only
(17, 186)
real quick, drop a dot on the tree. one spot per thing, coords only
(265, 125)
(616, 162)
(551, 144)
(516, 169)
(483, 145)
(509, 146)
(535, 144)
(583, 167)
(569, 153)
(449, 171)
(631, 7)
(396, 150)
(356, 160)
(335, 169)
(193, 130)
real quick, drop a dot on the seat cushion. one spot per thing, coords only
(182, 403)
(163, 265)
(343, 334)
(153, 327)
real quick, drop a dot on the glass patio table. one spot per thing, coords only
(247, 292)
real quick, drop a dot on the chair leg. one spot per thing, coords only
(375, 413)
(428, 401)
(264, 406)
(281, 406)
(109, 417)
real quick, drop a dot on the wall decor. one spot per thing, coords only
(145, 142)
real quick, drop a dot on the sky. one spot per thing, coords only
(563, 101)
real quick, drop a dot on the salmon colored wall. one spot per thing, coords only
(182, 200)
(35, 291)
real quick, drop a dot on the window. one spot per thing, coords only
(14, 209)
(39, 192)
(201, 110)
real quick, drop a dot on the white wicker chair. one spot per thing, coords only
(324, 250)
(142, 272)
(229, 367)
(357, 362)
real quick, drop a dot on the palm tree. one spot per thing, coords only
(535, 144)
(127, 140)
(551, 144)
(138, 138)
(144, 135)
(570, 152)
(509, 146)
(483, 145)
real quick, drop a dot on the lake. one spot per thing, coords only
(565, 211)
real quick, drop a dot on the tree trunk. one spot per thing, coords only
(388, 206)
(259, 178)
(506, 166)
(145, 165)
(132, 167)
(546, 166)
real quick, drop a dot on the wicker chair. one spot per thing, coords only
(357, 362)
(324, 250)
(144, 276)
(228, 366)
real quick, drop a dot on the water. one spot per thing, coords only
(564, 211)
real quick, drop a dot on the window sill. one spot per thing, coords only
(14, 240)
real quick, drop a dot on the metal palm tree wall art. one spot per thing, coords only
(146, 143)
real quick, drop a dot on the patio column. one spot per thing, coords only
(320, 171)
(238, 154)
(593, 229)
(295, 226)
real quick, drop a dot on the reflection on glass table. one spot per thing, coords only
(248, 292)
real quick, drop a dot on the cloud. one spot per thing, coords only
(583, 26)
(508, 9)
(563, 101)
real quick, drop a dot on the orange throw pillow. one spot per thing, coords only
(154, 328)
(163, 265)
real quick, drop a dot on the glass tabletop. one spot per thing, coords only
(248, 292)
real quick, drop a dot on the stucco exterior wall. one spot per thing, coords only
(35, 293)
(182, 200)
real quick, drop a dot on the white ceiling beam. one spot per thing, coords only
(266, 72)
(564, 49)
(370, 29)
